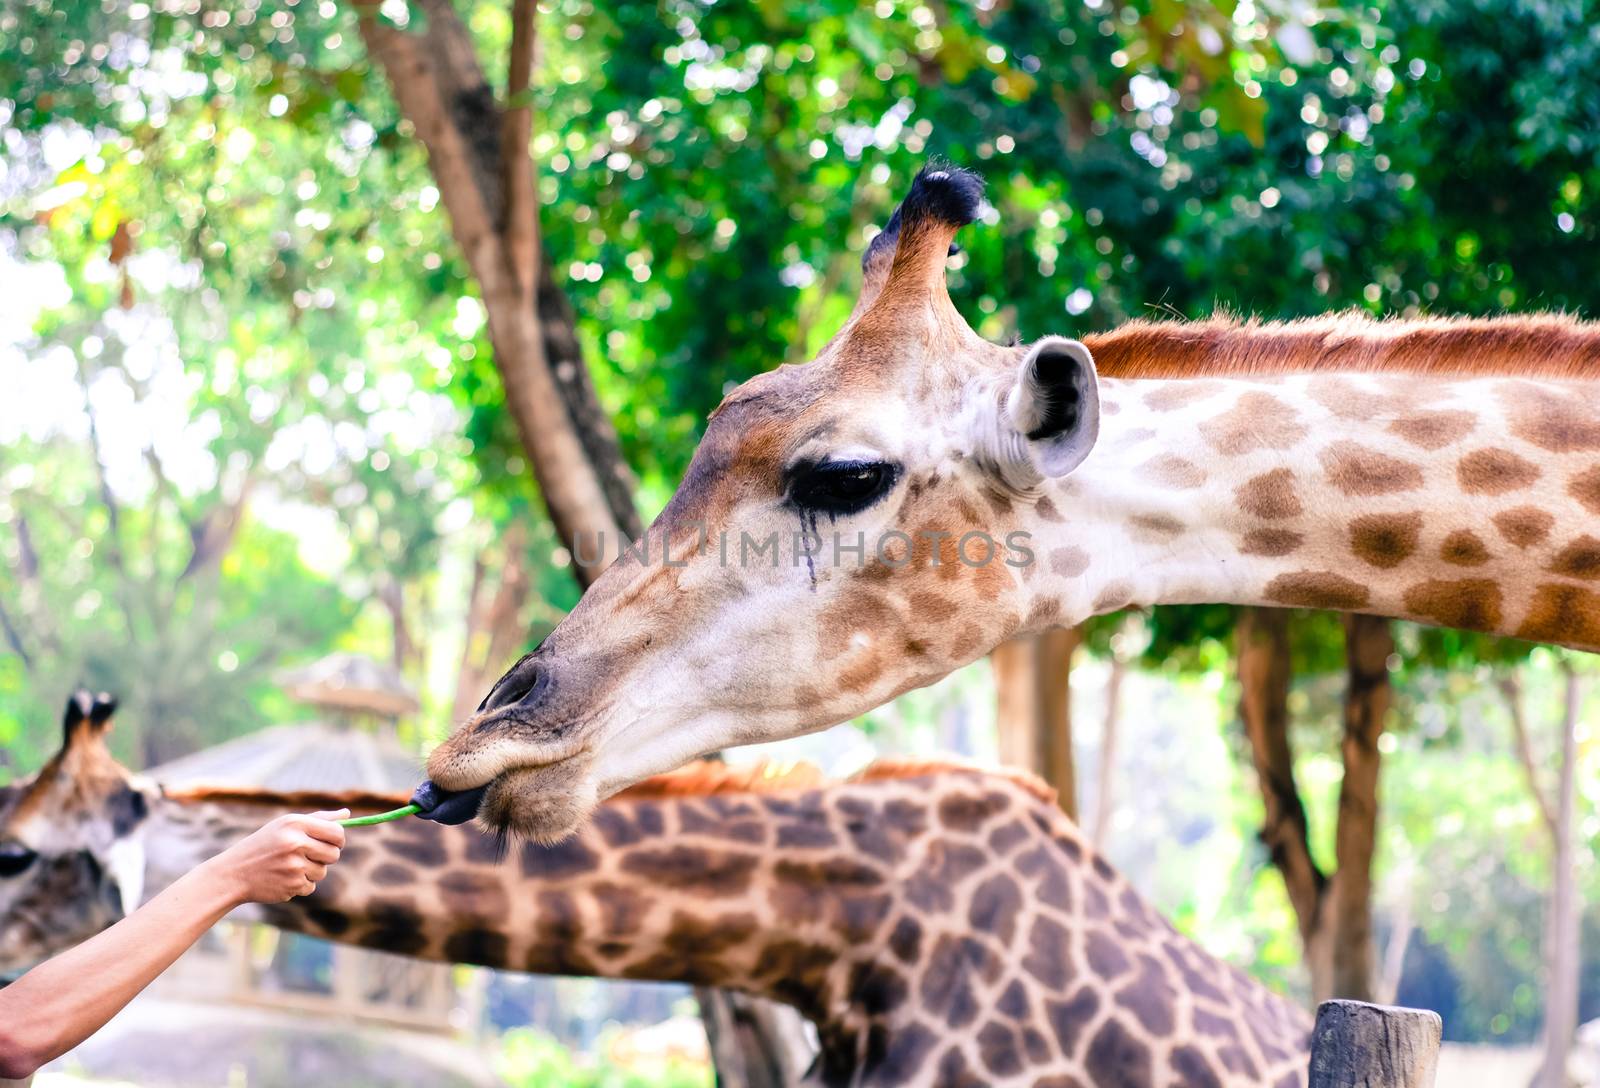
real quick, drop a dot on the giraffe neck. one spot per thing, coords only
(671, 890)
(1459, 501)
(938, 925)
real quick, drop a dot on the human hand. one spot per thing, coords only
(285, 858)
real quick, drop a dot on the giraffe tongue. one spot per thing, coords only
(445, 806)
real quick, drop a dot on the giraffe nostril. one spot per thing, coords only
(524, 684)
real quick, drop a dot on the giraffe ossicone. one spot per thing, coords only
(867, 522)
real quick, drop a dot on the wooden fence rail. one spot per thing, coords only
(1357, 1045)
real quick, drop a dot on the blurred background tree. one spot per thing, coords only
(222, 246)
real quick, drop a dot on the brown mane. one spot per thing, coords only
(357, 801)
(1547, 345)
(707, 778)
(702, 779)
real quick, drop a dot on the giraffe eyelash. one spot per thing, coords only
(840, 488)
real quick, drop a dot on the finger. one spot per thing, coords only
(315, 873)
(309, 887)
(320, 852)
(320, 825)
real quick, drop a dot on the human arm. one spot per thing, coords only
(64, 1000)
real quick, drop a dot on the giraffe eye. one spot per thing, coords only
(14, 858)
(837, 488)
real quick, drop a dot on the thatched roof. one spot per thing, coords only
(299, 756)
(351, 682)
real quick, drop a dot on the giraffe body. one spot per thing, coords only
(864, 524)
(941, 926)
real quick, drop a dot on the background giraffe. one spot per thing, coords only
(927, 494)
(940, 925)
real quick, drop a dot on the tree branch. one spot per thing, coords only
(426, 90)
(1510, 685)
(38, 619)
(516, 122)
(27, 554)
(107, 499)
(595, 430)
(14, 637)
(212, 536)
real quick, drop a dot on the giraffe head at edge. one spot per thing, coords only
(848, 529)
(71, 850)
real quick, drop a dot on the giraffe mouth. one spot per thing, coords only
(443, 806)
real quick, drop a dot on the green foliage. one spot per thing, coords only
(531, 1059)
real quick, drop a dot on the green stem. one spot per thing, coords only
(380, 818)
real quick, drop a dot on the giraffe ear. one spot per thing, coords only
(101, 711)
(1055, 404)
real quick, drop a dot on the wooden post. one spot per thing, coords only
(1357, 1045)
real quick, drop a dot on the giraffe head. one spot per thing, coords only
(847, 530)
(71, 856)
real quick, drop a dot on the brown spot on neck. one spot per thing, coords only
(1560, 421)
(1524, 526)
(1471, 603)
(1170, 470)
(1579, 559)
(1156, 524)
(1170, 395)
(1433, 430)
(1385, 540)
(1270, 495)
(1494, 472)
(1069, 562)
(1347, 400)
(1355, 469)
(1257, 421)
(1270, 542)
(1464, 548)
(1317, 589)
(1564, 614)
(1585, 487)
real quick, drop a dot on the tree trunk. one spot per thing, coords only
(403, 651)
(1334, 914)
(494, 621)
(1562, 929)
(1368, 645)
(478, 153)
(1261, 645)
(1032, 675)
(564, 354)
